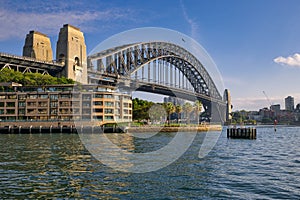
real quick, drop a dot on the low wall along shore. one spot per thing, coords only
(200, 128)
(92, 127)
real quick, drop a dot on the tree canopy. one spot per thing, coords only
(170, 108)
(140, 109)
(9, 75)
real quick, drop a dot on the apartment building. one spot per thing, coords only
(64, 103)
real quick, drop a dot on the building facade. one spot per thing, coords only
(289, 103)
(276, 109)
(64, 103)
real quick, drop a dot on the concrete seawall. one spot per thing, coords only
(201, 128)
(92, 127)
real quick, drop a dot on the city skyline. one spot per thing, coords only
(254, 44)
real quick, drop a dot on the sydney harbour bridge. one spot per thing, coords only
(154, 66)
(158, 67)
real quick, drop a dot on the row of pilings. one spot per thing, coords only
(57, 129)
(242, 133)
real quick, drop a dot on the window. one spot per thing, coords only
(10, 111)
(108, 96)
(31, 104)
(108, 111)
(43, 104)
(76, 61)
(65, 96)
(98, 96)
(75, 111)
(63, 111)
(31, 111)
(42, 111)
(98, 110)
(86, 97)
(21, 111)
(76, 96)
(109, 103)
(22, 97)
(12, 96)
(1, 104)
(44, 96)
(53, 96)
(86, 112)
(99, 118)
(10, 104)
(109, 117)
(86, 104)
(64, 103)
(98, 103)
(53, 104)
(32, 96)
(75, 104)
(126, 98)
(117, 97)
(22, 104)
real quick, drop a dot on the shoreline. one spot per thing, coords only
(89, 127)
(200, 128)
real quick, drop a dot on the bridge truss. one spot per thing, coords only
(31, 65)
(156, 64)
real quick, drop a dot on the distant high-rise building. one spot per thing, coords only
(289, 103)
(38, 46)
(298, 107)
(275, 108)
(174, 100)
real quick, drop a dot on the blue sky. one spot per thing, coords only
(255, 44)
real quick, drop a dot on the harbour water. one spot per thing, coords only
(58, 166)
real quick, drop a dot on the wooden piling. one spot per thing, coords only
(242, 133)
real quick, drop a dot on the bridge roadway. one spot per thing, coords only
(27, 64)
(136, 85)
(123, 82)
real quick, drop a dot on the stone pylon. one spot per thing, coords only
(38, 46)
(71, 51)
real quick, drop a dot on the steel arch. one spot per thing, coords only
(125, 60)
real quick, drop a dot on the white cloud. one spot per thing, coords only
(293, 60)
(255, 103)
(16, 24)
(192, 23)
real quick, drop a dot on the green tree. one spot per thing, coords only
(178, 110)
(141, 109)
(170, 108)
(9, 75)
(187, 108)
(197, 109)
(157, 112)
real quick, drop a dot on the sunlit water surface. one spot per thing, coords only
(58, 166)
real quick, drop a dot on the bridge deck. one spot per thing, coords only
(25, 62)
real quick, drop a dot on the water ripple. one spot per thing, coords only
(58, 166)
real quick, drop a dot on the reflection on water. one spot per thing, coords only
(59, 166)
